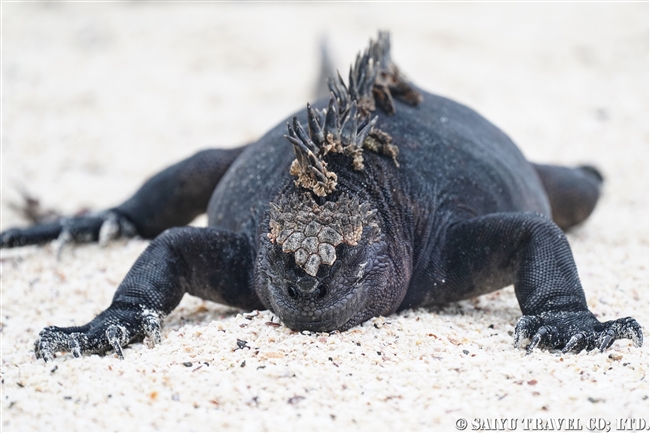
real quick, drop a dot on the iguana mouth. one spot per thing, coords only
(317, 326)
(326, 319)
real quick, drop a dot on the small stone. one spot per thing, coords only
(615, 356)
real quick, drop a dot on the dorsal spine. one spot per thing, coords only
(345, 125)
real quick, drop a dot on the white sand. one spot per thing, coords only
(96, 97)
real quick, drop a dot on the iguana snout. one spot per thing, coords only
(337, 297)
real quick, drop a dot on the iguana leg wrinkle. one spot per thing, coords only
(198, 261)
(529, 251)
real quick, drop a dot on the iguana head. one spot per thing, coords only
(319, 265)
(324, 267)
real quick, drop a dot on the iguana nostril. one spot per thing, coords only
(293, 293)
(322, 292)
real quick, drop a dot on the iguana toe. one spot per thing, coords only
(117, 337)
(112, 330)
(574, 331)
(607, 339)
(151, 326)
(576, 343)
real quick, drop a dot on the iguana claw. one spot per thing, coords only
(109, 230)
(627, 328)
(42, 350)
(74, 347)
(116, 336)
(114, 329)
(60, 242)
(114, 226)
(151, 326)
(607, 339)
(542, 334)
(103, 226)
(575, 343)
(573, 331)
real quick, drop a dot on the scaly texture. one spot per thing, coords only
(312, 232)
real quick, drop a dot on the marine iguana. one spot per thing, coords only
(391, 198)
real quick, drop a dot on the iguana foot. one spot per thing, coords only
(574, 331)
(111, 330)
(102, 227)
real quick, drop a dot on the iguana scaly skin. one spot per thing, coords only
(380, 198)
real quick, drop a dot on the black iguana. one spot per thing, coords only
(380, 198)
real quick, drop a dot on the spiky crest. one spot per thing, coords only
(304, 228)
(374, 80)
(345, 125)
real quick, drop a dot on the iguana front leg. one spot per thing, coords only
(171, 198)
(528, 250)
(198, 261)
